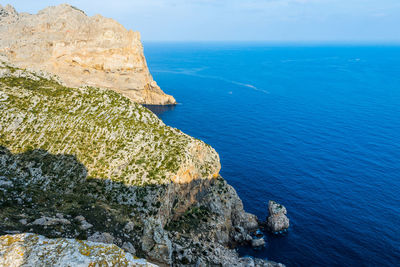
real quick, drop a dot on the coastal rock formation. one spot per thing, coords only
(258, 242)
(88, 164)
(277, 220)
(81, 50)
(35, 250)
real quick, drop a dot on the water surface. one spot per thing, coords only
(316, 128)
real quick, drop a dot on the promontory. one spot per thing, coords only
(81, 50)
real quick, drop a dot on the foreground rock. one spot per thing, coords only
(81, 50)
(277, 220)
(88, 164)
(35, 250)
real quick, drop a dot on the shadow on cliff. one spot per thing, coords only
(44, 193)
(159, 110)
(56, 189)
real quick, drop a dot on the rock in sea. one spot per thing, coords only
(255, 243)
(277, 220)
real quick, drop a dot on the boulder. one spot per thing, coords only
(84, 224)
(105, 238)
(257, 242)
(46, 221)
(127, 246)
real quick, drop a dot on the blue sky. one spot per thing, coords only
(247, 20)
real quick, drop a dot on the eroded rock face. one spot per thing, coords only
(81, 50)
(35, 250)
(277, 220)
(89, 164)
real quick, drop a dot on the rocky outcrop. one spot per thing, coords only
(259, 242)
(89, 164)
(35, 250)
(81, 50)
(277, 220)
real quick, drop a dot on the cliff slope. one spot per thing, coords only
(89, 164)
(81, 50)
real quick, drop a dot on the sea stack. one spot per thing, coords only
(277, 220)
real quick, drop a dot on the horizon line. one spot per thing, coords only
(278, 42)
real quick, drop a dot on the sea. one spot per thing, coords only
(313, 127)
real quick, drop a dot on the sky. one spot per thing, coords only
(337, 21)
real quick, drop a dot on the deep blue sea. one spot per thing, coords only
(316, 128)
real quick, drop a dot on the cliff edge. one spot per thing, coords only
(81, 50)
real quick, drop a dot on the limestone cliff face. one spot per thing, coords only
(81, 50)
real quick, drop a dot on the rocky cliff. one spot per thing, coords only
(89, 164)
(81, 50)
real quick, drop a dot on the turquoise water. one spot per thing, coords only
(316, 128)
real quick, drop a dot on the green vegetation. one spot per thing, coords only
(74, 7)
(113, 137)
(68, 152)
(190, 220)
(25, 195)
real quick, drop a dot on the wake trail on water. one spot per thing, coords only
(195, 74)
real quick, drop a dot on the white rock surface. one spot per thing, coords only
(35, 250)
